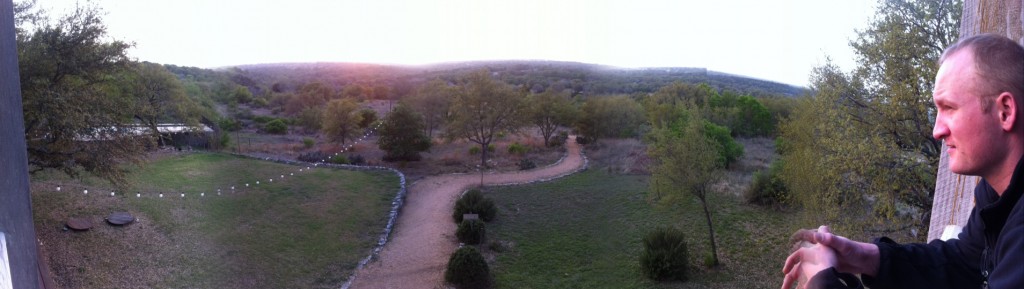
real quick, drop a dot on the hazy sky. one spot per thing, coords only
(774, 40)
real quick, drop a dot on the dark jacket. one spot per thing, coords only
(989, 252)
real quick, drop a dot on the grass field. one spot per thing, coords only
(585, 230)
(306, 231)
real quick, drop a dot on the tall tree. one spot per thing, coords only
(864, 138)
(610, 116)
(432, 101)
(550, 110)
(159, 97)
(74, 119)
(401, 135)
(341, 120)
(687, 163)
(483, 108)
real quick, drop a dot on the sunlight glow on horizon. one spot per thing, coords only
(774, 40)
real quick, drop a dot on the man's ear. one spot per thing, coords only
(1007, 107)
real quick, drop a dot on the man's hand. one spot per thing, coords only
(806, 262)
(854, 257)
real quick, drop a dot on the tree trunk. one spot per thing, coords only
(711, 231)
(483, 155)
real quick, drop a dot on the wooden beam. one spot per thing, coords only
(15, 201)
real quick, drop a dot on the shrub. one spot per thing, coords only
(276, 126)
(471, 232)
(768, 187)
(490, 148)
(230, 124)
(263, 118)
(308, 142)
(467, 269)
(356, 160)
(314, 157)
(474, 150)
(583, 140)
(224, 140)
(526, 164)
(518, 149)
(559, 139)
(473, 202)
(339, 159)
(665, 256)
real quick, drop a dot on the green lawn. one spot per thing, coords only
(585, 230)
(306, 231)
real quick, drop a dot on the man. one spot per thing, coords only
(979, 100)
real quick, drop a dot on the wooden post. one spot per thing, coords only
(15, 201)
(954, 194)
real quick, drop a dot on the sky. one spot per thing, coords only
(778, 40)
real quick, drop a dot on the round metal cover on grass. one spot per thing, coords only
(79, 224)
(120, 218)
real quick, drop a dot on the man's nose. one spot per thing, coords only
(940, 131)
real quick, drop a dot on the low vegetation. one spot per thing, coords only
(467, 269)
(586, 230)
(306, 231)
(665, 256)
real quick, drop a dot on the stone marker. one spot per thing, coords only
(120, 218)
(79, 224)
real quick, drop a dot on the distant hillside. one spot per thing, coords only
(580, 78)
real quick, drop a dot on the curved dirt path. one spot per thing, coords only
(424, 235)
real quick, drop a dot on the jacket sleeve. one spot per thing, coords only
(832, 279)
(938, 264)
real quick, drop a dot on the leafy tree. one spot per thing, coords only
(242, 94)
(482, 109)
(311, 118)
(549, 111)
(401, 135)
(686, 163)
(341, 120)
(159, 97)
(74, 118)
(311, 95)
(369, 116)
(610, 116)
(863, 140)
(753, 118)
(432, 101)
(276, 126)
(728, 150)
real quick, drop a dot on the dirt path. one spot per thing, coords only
(424, 235)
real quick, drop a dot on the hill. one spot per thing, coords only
(580, 78)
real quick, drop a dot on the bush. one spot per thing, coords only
(559, 139)
(665, 256)
(467, 269)
(276, 126)
(230, 124)
(308, 142)
(339, 159)
(490, 148)
(526, 164)
(474, 150)
(473, 202)
(583, 140)
(518, 149)
(356, 160)
(768, 187)
(314, 157)
(471, 232)
(263, 118)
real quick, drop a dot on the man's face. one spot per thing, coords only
(970, 134)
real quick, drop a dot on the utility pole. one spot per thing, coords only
(19, 254)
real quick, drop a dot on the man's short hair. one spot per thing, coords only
(999, 63)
